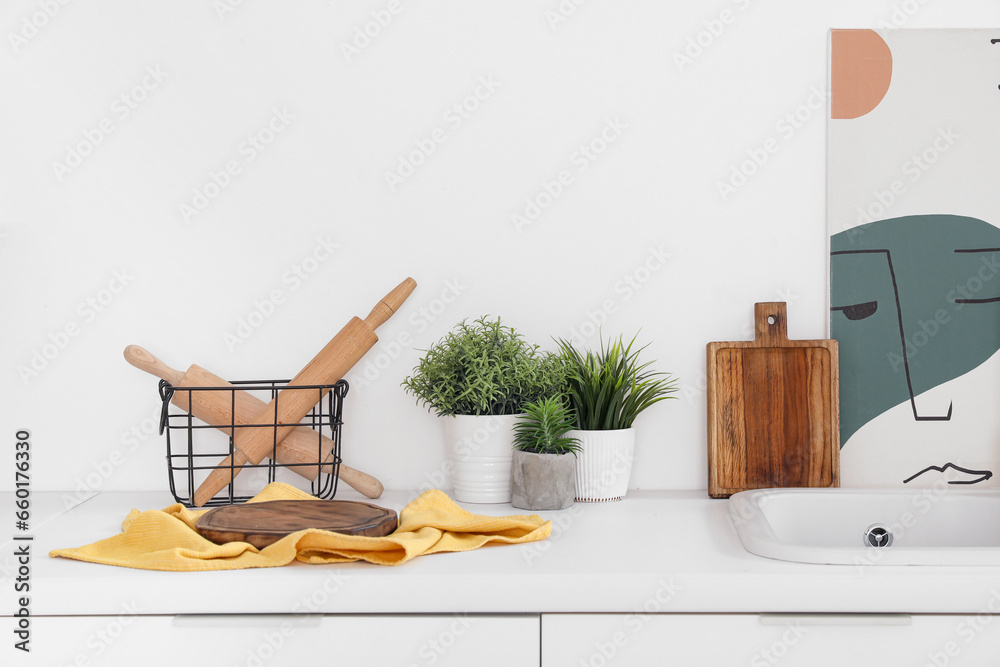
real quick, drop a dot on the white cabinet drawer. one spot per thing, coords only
(265, 640)
(707, 640)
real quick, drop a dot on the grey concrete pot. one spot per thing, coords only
(542, 481)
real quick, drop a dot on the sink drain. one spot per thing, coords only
(878, 535)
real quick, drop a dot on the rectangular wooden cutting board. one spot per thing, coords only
(773, 410)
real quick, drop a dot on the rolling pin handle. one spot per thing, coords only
(385, 308)
(146, 361)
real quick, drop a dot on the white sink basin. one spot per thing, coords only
(941, 526)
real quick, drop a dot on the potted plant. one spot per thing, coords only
(543, 471)
(607, 391)
(478, 378)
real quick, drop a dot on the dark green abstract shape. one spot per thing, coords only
(915, 302)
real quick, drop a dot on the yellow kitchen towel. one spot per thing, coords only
(167, 540)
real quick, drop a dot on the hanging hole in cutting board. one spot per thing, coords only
(771, 319)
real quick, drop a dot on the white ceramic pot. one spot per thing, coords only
(604, 464)
(480, 449)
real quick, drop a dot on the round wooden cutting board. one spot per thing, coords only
(261, 524)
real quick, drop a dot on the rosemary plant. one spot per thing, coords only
(483, 368)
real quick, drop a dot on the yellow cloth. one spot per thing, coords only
(167, 540)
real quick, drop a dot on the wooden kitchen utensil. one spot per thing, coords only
(250, 445)
(302, 445)
(773, 410)
(261, 524)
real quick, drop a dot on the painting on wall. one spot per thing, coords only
(913, 204)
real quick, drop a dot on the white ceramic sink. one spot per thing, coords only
(941, 526)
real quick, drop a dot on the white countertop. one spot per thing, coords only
(662, 551)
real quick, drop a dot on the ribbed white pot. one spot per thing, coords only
(604, 464)
(480, 449)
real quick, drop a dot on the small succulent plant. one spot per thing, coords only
(542, 429)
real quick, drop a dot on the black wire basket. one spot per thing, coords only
(195, 448)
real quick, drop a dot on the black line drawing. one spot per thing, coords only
(984, 474)
(990, 300)
(902, 335)
(973, 250)
(858, 311)
(995, 41)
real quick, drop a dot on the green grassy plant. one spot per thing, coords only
(607, 390)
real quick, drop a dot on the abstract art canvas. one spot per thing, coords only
(913, 203)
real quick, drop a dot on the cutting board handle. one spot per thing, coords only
(770, 323)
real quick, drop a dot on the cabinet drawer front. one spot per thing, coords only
(266, 640)
(806, 640)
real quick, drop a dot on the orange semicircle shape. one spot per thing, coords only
(860, 72)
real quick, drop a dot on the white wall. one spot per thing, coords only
(220, 71)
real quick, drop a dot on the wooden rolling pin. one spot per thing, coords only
(250, 445)
(214, 407)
